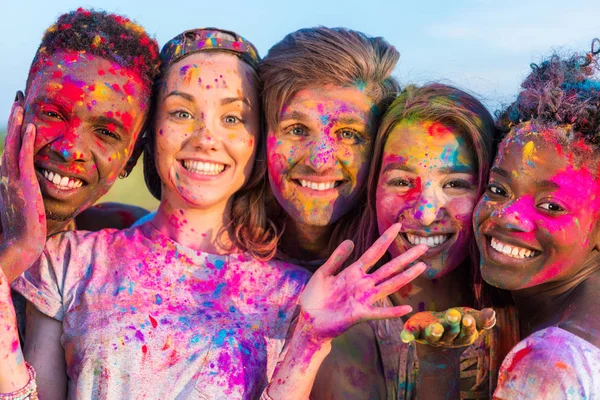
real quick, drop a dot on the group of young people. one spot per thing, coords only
(322, 232)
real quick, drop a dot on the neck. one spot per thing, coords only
(422, 294)
(198, 229)
(53, 227)
(305, 242)
(570, 302)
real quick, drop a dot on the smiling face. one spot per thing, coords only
(206, 127)
(88, 113)
(538, 220)
(318, 156)
(428, 182)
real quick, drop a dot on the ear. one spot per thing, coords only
(138, 148)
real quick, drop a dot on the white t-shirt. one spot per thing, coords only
(550, 364)
(146, 318)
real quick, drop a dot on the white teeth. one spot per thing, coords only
(62, 182)
(203, 168)
(318, 186)
(430, 241)
(512, 251)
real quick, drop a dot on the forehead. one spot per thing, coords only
(82, 68)
(331, 99)
(210, 70)
(419, 142)
(530, 156)
(89, 85)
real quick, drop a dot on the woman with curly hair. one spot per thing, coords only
(538, 230)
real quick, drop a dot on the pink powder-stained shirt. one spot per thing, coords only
(146, 318)
(551, 364)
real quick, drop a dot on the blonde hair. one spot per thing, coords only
(316, 57)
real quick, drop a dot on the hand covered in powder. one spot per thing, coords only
(457, 327)
(331, 304)
(21, 204)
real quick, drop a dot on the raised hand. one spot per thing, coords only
(21, 204)
(330, 303)
(456, 327)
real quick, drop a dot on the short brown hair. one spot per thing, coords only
(327, 56)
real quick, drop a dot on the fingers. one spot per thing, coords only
(378, 249)
(433, 333)
(13, 140)
(392, 267)
(485, 319)
(452, 324)
(337, 258)
(386, 312)
(26, 168)
(394, 284)
(468, 332)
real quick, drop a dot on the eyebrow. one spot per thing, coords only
(399, 166)
(224, 101)
(344, 119)
(500, 172)
(229, 100)
(177, 93)
(539, 184)
(107, 120)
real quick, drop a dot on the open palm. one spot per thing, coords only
(333, 303)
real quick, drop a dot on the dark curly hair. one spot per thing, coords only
(560, 92)
(109, 36)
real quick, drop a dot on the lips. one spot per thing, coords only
(320, 186)
(430, 240)
(512, 250)
(61, 182)
(203, 167)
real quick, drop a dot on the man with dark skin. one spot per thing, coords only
(74, 131)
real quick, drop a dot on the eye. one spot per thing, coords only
(400, 182)
(232, 120)
(351, 135)
(297, 130)
(108, 133)
(458, 184)
(52, 114)
(496, 190)
(181, 114)
(553, 207)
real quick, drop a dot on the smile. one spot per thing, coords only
(511, 250)
(320, 186)
(61, 182)
(430, 241)
(203, 168)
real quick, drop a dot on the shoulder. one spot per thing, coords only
(83, 246)
(547, 363)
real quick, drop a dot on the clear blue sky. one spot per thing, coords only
(485, 46)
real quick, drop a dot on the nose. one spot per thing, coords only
(429, 208)
(204, 138)
(322, 153)
(72, 146)
(515, 215)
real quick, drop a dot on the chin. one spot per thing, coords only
(500, 279)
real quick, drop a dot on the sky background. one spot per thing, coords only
(484, 46)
